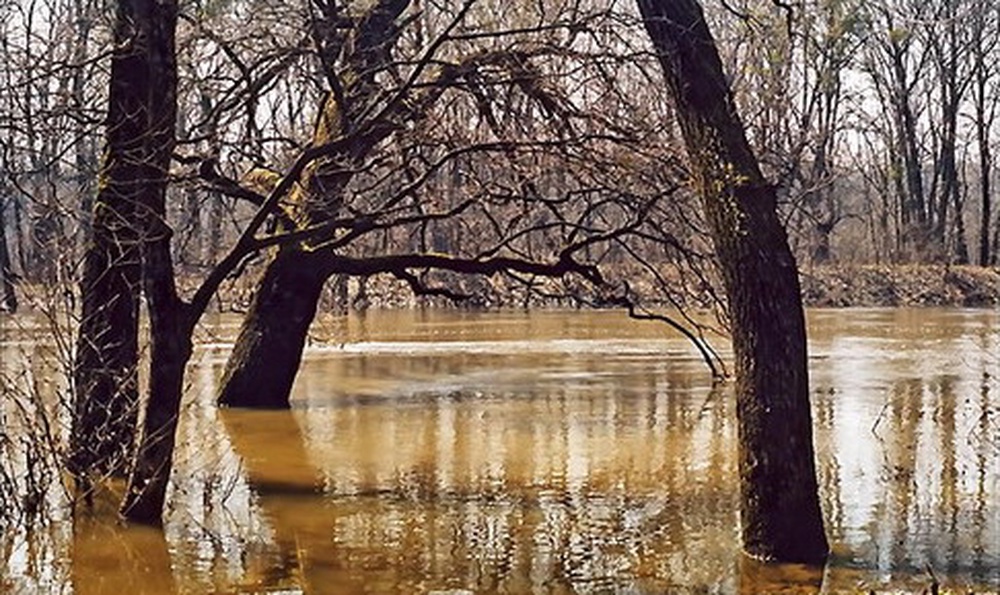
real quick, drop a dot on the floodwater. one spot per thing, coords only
(554, 452)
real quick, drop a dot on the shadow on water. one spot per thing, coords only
(566, 453)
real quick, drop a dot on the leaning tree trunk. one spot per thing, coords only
(780, 515)
(268, 351)
(263, 365)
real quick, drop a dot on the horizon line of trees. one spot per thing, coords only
(876, 120)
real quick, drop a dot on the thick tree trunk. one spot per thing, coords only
(154, 72)
(104, 373)
(262, 367)
(780, 516)
(107, 352)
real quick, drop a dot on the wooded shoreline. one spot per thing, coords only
(873, 286)
(828, 286)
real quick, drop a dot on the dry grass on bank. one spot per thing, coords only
(901, 286)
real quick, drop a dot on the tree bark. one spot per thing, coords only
(107, 352)
(107, 356)
(985, 197)
(265, 360)
(131, 243)
(171, 321)
(8, 298)
(983, 119)
(171, 330)
(780, 516)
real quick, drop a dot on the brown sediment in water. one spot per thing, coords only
(556, 452)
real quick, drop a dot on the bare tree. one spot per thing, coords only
(985, 43)
(780, 513)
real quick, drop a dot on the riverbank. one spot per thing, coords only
(875, 286)
(829, 286)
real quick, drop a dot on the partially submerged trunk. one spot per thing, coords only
(107, 355)
(780, 514)
(265, 360)
(170, 351)
(171, 323)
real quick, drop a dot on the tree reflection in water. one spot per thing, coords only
(520, 453)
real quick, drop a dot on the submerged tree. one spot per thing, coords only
(314, 233)
(504, 162)
(780, 514)
(107, 353)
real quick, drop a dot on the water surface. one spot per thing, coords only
(554, 452)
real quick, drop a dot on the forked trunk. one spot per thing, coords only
(153, 461)
(268, 351)
(171, 325)
(780, 514)
(104, 370)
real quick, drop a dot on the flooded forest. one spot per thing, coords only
(497, 296)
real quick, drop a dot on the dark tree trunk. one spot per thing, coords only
(983, 120)
(821, 252)
(171, 321)
(951, 191)
(913, 208)
(995, 254)
(961, 244)
(85, 149)
(170, 351)
(985, 215)
(104, 372)
(262, 367)
(8, 298)
(107, 353)
(780, 517)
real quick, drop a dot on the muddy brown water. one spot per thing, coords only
(549, 452)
